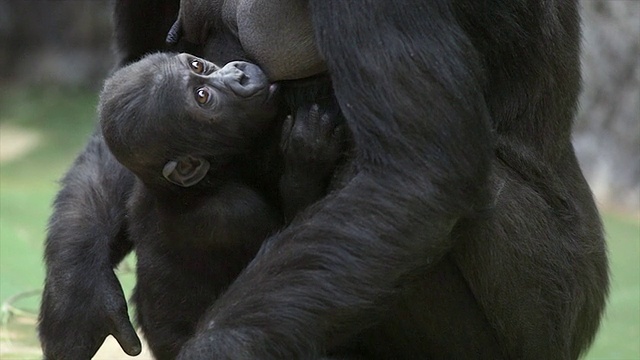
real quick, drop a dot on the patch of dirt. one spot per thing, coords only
(18, 341)
(110, 350)
(16, 142)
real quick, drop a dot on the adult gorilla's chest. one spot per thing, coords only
(278, 36)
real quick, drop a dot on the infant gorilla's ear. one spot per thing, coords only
(186, 171)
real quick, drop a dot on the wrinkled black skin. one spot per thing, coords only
(466, 229)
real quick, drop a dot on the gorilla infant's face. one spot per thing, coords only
(168, 112)
(236, 91)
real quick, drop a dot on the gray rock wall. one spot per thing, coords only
(607, 130)
(60, 43)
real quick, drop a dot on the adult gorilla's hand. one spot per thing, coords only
(85, 311)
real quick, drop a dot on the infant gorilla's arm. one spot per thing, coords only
(312, 142)
(83, 302)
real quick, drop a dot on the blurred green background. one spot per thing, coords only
(48, 95)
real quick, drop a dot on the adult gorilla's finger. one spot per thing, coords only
(126, 335)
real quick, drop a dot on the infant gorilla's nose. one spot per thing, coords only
(243, 78)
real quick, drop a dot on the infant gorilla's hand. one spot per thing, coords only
(312, 142)
(78, 315)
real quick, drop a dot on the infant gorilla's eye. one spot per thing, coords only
(197, 66)
(202, 95)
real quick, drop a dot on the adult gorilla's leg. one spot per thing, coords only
(544, 291)
(435, 316)
(412, 98)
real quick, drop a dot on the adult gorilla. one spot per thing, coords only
(465, 231)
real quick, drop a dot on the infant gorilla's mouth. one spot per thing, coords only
(243, 78)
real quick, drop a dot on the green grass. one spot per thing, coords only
(619, 336)
(65, 118)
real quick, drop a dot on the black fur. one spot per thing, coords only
(464, 228)
(192, 241)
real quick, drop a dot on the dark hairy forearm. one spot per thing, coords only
(86, 227)
(85, 240)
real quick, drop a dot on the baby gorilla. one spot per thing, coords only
(178, 115)
(197, 138)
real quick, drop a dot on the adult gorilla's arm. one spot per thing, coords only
(140, 27)
(409, 83)
(83, 301)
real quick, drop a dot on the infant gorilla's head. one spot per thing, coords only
(171, 115)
